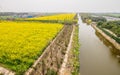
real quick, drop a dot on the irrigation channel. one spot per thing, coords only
(96, 56)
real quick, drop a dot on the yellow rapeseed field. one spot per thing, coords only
(55, 17)
(21, 43)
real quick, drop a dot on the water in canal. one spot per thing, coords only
(96, 57)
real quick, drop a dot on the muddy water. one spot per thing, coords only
(96, 57)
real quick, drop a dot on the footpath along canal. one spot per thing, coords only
(96, 58)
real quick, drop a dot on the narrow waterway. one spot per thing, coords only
(95, 57)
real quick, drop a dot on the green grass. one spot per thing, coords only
(75, 52)
(109, 34)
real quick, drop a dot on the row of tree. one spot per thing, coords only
(113, 26)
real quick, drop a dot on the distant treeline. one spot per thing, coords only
(88, 18)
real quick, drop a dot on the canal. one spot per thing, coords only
(96, 58)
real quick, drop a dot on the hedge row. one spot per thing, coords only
(117, 39)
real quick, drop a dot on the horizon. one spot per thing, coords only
(60, 12)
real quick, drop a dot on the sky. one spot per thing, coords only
(59, 5)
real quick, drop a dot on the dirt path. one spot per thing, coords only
(64, 70)
(4, 71)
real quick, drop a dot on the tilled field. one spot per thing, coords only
(50, 61)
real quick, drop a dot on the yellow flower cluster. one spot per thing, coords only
(55, 17)
(23, 42)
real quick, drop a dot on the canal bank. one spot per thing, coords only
(114, 43)
(95, 57)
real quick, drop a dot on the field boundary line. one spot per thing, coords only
(31, 69)
(61, 71)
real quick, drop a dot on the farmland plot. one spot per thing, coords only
(22, 43)
(55, 17)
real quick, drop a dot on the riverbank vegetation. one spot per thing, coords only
(75, 50)
(113, 26)
(73, 65)
(87, 18)
(104, 25)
